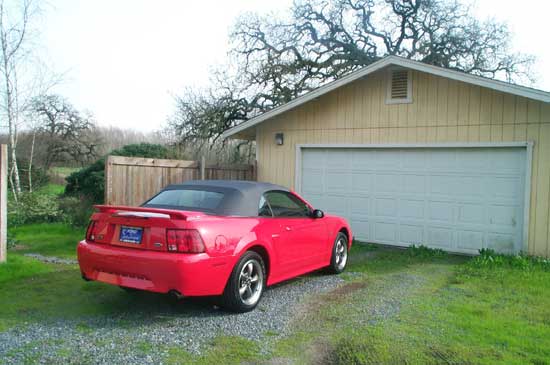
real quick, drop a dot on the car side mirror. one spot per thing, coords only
(317, 213)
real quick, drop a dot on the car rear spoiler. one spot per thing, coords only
(121, 210)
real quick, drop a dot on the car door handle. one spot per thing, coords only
(288, 228)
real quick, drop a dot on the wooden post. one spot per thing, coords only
(254, 170)
(203, 168)
(108, 180)
(3, 202)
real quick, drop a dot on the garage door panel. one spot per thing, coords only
(385, 207)
(507, 161)
(413, 184)
(387, 183)
(442, 185)
(387, 159)
(475, 213)
(359, 206)
(312, 182)
(361, 182)
(362, 160)
(505, 187)
(385, 232)
(471, 186)
(338, 159)
(470, 240)
(314, 158)
(410, 234)
(458, 199)
(337, 203)
(441, 211)
(362, 229)
(411, 208)
(442, 160)
(414, 160)
(472, 160)
(337, 181)
(503, 215)
(441, 237)
(501, 242)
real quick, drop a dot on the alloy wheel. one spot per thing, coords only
(341, 254)
(251, 282)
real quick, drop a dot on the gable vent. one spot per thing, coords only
(399, 82)
(399, 88)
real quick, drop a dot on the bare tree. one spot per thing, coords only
(322, 41)
(282, 57)
(200, 116)
(66, 133)
(15, 22)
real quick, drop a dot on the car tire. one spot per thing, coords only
(246, 284)
(339, 257)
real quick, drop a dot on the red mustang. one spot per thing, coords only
(228, 238)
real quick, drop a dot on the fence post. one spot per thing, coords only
(203, 168)
(108, 181)
(254, 168)
(3, 202)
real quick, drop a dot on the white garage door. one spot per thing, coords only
(456, 199)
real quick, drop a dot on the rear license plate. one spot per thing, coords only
(130, 235)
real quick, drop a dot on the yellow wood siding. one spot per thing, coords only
(442, 110)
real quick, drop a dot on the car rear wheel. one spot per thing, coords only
(339, 257)
(246, 284)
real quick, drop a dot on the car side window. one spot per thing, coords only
(284, 204)
(264, 210)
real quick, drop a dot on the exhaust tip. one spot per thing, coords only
(176, 294)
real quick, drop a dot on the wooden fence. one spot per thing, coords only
(3, 201)
(132, 180)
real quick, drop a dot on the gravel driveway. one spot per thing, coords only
(117, 340)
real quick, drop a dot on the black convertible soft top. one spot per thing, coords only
(241, 198)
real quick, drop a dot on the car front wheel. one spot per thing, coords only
(246, 284)
(339, 257)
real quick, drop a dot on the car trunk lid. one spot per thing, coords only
(135, 227)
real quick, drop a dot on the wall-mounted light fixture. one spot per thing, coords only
(279, 139)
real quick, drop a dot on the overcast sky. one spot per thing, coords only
(124, 59)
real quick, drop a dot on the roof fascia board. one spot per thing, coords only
(474, 79)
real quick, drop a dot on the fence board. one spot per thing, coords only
(3, 201)
(132, 180)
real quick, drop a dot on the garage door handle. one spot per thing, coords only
(288, 228)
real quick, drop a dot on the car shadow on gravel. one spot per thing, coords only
(113, 336)
(150, 307)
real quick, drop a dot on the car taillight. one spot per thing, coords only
(91, 233)
(184, 241)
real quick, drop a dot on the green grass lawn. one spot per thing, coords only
(62, 170)
(51, 189)
(49, 239)
(459, 312)
(400, 306)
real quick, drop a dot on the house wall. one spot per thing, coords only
(442, 111)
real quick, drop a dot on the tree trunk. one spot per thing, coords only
(30, 160)
(16, 183)
(12, 126)
(10, 176)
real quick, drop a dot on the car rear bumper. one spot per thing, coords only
(161, 272)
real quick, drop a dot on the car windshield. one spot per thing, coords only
(187, 199)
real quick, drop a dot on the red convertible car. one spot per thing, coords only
(212, 238)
